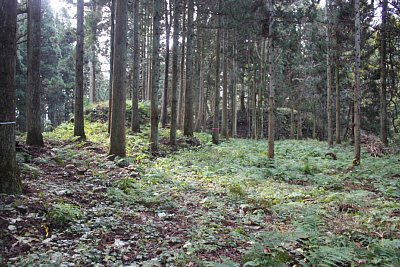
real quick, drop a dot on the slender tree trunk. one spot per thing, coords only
(224, 130)
(314, 129)
(117, 136)
(93, 60)
(10, 182)
(111, 64)
(357, 89)
(188, 118)
(299, 126)
(242, 96)
(135, 120)
(34, 129)
(164, 110)
(215, 129)
(254, 107)
(337, 84)
(383, 102)
(174, 88)
(291, 122)
(79, 128)
(249, 98)
(271, 111)
(260, 109)
(329, 72)
(200, 111)
(181, 103)
(155, 76)
(233, 96)
(92, 80)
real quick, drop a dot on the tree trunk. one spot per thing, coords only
(111, 63)
(92, 80)
(292, 122)
(79, 128)
(215, 127)
(117, 135)
(93, 58)
(164, 109)
(314, 129)
(357, 89)
(181, 103)
(224, 128)
(233, 96)
(337, 84)
(242, 96)
(188, 118)
(174, 88)
(299, 126)
(155, 76)
(200, 111)
(271, 110)
(383, 102)
(33, 122)
(249, 98)
(10, 182)
(135, 123)
(329, 72)
(254, 107)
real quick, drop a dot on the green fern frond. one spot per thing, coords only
(386, 253)
(225, 263)
(325, 256)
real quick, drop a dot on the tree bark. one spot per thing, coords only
(117, 135)
(10, 182)
(254, 107)
(271, 109)
(93, 58)
(292, 122)
(383, 101)
(357, 89)
(181, 103)
(79, 128)
(164, 110)
(337, 84)
(135, 123)
(329, 72)
(34, 129)
(215, 127)
(299, 126)
(174, 87)
(233, 96)
(188, 118)
(155, 76)
(111, 63)
(224, 128)
(200, 111)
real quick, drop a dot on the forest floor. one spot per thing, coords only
(203, 205)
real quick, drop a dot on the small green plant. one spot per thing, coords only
(126, 184)
(33, 171)
(236, 190)
(61, 214)
(307, 168)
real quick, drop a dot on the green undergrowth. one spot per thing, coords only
(322, 212)
(137, 144)
(303, 208)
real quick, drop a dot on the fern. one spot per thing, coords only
(272, 249)
(225, 263)
(386, 253)
(326, 256)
